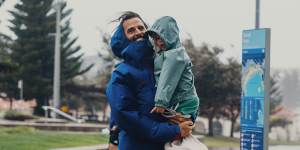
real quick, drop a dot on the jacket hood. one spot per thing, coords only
(119, 41)
(166, 27)
(137, 51)
(134, 51)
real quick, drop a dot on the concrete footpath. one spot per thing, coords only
(104, 147)
(95, 147)
(70, 126)
(277, 147)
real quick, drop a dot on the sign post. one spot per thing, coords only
(255, 89)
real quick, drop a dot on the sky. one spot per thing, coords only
(216, 22)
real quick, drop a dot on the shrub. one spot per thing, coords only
(18, 116)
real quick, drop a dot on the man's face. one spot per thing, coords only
(134, 28)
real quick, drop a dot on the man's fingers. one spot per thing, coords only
(190, 123)
(191, 127)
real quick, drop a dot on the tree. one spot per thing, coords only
(1, 2)
(275, 93)
(4, 50)
(84, 95)
(7, 68)
(290, 83)
(33, 50)
(92, 89)
(232, 80)
(5, 60)
(209, 74)
(109, 60)
(276, 103)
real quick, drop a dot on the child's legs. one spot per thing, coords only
(189, 108)
(179, 118)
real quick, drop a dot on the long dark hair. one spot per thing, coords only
(129, 15)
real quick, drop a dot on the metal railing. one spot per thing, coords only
(57, 111)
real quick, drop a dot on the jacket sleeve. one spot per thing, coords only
(135, 123)
(171, 72)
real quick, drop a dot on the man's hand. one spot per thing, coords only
(186, 128)
(157, 110)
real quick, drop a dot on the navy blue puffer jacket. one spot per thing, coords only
(131, 94)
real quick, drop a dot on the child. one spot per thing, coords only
(173, 73)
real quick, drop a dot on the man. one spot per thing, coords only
(131, 91)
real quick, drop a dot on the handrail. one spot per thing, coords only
(55, 110)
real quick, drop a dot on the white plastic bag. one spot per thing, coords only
(188, 143)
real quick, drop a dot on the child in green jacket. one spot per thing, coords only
(176, 96)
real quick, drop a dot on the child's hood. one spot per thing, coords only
(166, 27)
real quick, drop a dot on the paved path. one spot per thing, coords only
(70, 126)
(279, 147)
(104, 147)
(95, 147)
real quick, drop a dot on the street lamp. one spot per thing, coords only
(56, 86)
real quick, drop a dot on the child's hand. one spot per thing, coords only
(157, 110)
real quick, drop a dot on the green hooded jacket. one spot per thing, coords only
(173, 70)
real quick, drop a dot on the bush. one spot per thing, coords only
(279, 122)
(18, 116)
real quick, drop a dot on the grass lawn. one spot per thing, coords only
(21, 138)
(220, 141)
(284, 143)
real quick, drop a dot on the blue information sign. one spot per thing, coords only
(255, 87)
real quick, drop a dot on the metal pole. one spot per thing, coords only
(20, 86)
(56, 86)
(21, 94)
(257, 14)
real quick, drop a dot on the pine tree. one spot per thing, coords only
(4, 40)
(4, 48)
(33, 24)
(1, 2)
(6, 66)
